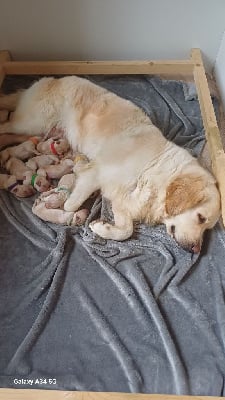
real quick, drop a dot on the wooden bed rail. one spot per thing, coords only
(32, 394)
(210, 124)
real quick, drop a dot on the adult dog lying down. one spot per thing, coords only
(146, 177)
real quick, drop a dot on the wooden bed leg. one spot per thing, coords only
(6, 140)
(4, 57)
(210, 124)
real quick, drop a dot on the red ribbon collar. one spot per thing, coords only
(53, 149)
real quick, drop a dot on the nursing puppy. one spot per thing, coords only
(58, 216)
(146, 177)
(21, 151)
(10, 183)
(57, 147)
(23, 173)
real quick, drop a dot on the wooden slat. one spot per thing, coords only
(4, 57)
(210, 124)
(31, 394)
(97, 67)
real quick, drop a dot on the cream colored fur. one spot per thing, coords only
(130, 160)
(21, 151)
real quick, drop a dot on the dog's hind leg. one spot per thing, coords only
(121, 229)
(15, 124)
(10, 101)
(31, 117)
(7, 140)
(30, 123)
(17, 127)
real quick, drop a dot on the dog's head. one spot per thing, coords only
(192, 205)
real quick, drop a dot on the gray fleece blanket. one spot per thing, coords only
(81, 313)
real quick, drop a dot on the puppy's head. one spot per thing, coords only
(23, 191)
(41, 184)
(61, 146)
(192, 205)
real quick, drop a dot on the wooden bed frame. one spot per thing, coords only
(192, 67)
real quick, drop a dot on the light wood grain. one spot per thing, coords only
(210, 124)
(97, 67)
(4, 57)
(32, 394)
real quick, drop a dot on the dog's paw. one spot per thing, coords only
(69, 205)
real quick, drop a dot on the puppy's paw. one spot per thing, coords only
(101, 228)
(80, 217)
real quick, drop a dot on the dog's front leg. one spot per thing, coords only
(122, 228)
(85, 184)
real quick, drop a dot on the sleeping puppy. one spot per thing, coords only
(41, 161)
(57, 171)
(23, 173)
(56, 197)
(58, 216)
(146, 177)
(21, 151)
(58, 146)
(10, 183)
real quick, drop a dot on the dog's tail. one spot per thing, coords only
(10, 101)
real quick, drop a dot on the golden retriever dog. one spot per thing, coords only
(146, 177)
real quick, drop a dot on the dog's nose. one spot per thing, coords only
(196, 248)
(191, 247)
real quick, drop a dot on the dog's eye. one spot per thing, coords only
(172, 229)
(201, 219)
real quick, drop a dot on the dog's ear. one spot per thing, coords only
(183, 193)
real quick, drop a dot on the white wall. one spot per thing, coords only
(110, 29)
(219, 70)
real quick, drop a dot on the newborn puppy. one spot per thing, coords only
(56, 132)
(10, 183)
(23, 173)
(55, 198)
(41, 161)
(57, 171)
(21, 151)
(58, 216)
(80, 162)
(58, 147)
(40, 183)
(16, 167)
